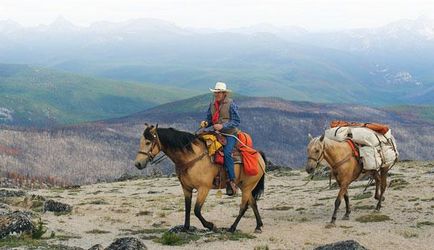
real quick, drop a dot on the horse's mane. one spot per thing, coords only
(175, 140)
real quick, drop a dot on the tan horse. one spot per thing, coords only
(344, 167)
(196, 171)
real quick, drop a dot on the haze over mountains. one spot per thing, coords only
(383, 66)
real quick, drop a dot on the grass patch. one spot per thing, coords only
(97, 231)
(62, 213)
(413, 199)
(362, 196)
(145, 231)
(398, 184)
(67, 237)
(279, 208)
(143, 213)
(424, 223)
(39, 230)
(174, 239)
(24, 240)
(326, 198)
(261, 247)
(237, 235)
(372, 218)
(430, 199)
(300, 209)
(99, 202)
(181, 238)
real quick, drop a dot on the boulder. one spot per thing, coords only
(127, 243)
(55, 206)
(342, 245)
(97, 247)
(15, 223)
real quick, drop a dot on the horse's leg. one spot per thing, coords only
(243, 207)
(377, 179)
(254, 206)
(383, 177)
(347, 206)
(187, 197)
(202, 193)
(342, 192)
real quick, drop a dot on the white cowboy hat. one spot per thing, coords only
(220, 87)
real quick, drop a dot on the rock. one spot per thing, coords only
(97, 247)
(127, 243)
(63, 247)
(16, 222)
(11, 193)
(273, 167)
(4, 209)
(55, 206)
(342, 245)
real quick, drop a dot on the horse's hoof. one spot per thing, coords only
(346, 217)
(330, 225)
(231, 229)
(258, 230)
(214, 228)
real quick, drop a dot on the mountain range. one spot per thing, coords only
(383, 66)
(105, 150)
(41, 97)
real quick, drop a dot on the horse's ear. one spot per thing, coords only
(321, 138)
(146, 125)
(153, 129)
(156, 126)
(310, 137)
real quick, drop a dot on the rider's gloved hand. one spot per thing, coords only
(203, 124)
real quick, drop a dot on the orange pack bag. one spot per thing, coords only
(250, 156)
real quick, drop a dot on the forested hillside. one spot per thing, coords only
(105, 150)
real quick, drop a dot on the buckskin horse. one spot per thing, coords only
(195, 170)
(344, 167)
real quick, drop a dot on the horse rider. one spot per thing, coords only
(223, 116)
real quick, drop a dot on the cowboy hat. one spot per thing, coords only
(220, 87)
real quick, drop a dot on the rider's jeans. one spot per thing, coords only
(229, 161)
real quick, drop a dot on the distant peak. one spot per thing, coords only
(61, 23)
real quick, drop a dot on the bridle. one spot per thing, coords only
(155, 142)
(320, 158)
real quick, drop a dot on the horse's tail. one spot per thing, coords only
(260, 186)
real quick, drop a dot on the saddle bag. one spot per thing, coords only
(219, 157)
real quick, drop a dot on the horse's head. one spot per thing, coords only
(149, 146)
(315, 153)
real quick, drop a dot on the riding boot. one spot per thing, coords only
(231, 188)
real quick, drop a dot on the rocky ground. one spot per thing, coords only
(295, 214)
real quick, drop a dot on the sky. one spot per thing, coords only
(221, 14)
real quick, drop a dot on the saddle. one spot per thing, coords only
(243, 153)
(215, 143)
